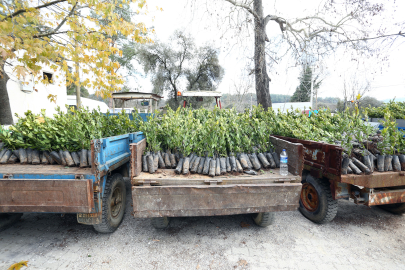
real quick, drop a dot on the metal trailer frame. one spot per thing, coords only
(200, 195)
(323, 161)
(58, 189)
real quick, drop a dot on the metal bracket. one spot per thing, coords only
(148, 183)
(213, 182)
(96, 188)
(8, 176)
(358, 199)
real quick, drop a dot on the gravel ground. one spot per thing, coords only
(358, 238)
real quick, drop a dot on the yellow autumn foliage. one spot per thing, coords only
(58, 33)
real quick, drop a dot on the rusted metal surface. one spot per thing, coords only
(295, 154)
(341, 190)
(386, 197)
(137, 150)
(309, 197)
(320, 159)
(375, 180)
(50, 195)
(212, 200)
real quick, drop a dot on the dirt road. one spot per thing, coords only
(358, 238)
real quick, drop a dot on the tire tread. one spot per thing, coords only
(160, 222)
(105, 226)
(331, 204)
(266, 219)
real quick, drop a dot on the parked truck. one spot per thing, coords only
(323, 184)
(164, 194)
(96, 194)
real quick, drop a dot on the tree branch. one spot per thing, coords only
(18, 12)
(277, 19)
(65, 19)
(248, 9)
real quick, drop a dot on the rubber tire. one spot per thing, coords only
(327, 206)
(264, 219)
(108, 223)
(396, 208)
(160, 222)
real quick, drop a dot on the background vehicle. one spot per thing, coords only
(96, 194)
(323, 184)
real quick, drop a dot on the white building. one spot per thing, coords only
(34, 96)
(90, 104)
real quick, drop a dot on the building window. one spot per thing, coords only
(48, 76)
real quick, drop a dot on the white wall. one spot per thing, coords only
(88, 103)
(20, 102)
(287, 106)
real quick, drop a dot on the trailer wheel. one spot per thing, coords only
(316, 202)
(263, 219)
(160, 222)
(396, 208)
(114, 199)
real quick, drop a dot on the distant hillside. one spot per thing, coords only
(396, 99)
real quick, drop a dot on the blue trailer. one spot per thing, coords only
(96, 194)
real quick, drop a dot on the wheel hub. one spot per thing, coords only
(309, 197)
(116, 201)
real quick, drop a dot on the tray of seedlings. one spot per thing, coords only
(63, 140)
(212, 143)
(365, 148)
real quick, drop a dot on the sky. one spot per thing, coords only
(386, 78)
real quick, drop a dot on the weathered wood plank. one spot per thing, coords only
(42, 169)
(295, 153)
(55, 195)
(137, 150)
(214, 200)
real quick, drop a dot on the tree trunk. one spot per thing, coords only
(6, 117)
(262, 79)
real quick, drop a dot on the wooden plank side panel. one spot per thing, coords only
(295, 153)
(50, 195)
(42, 169)
(181, 201)
(137, 150)
(165, 177)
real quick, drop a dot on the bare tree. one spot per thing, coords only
(330, 25)
(242, 87)
(354, 87)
